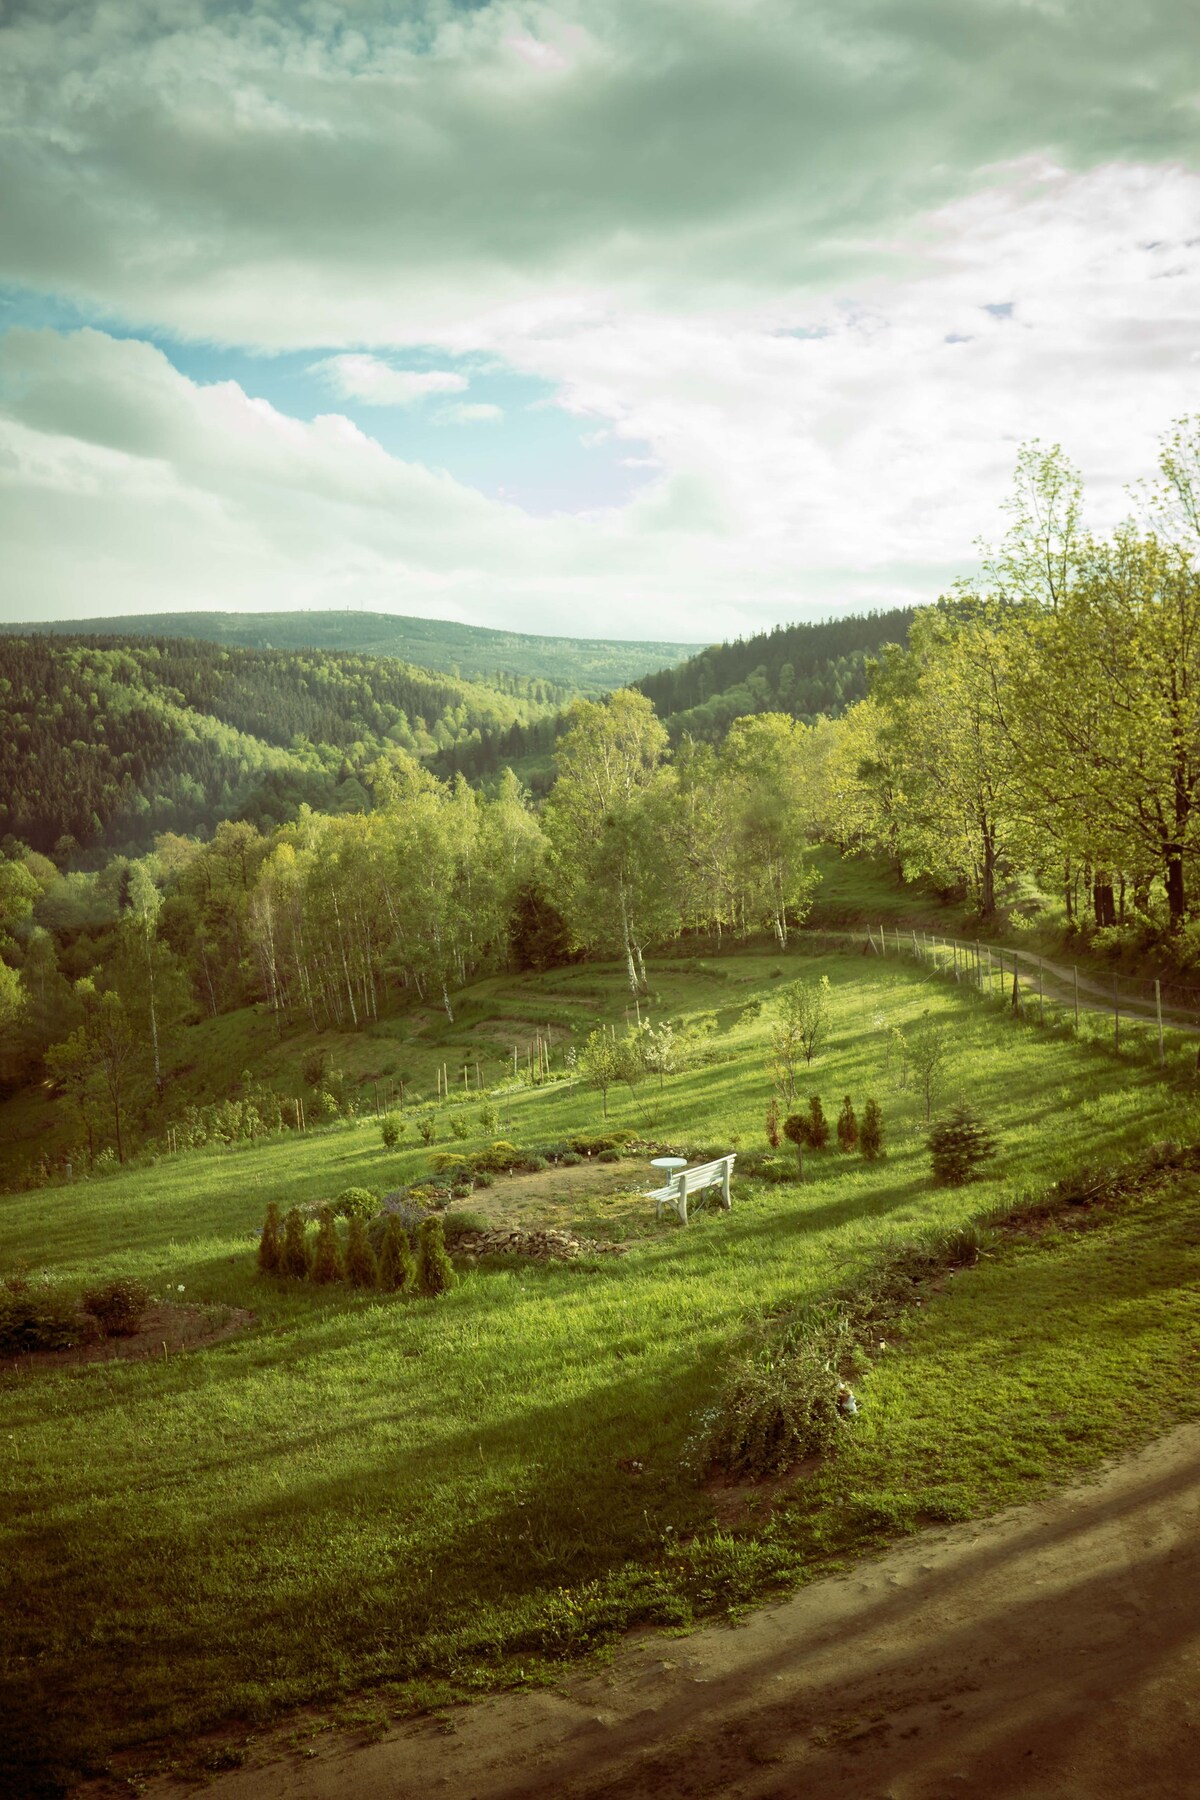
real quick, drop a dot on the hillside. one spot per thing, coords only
(109, 743)
(475, 652)
(807, 670)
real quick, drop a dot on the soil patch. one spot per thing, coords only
(164, 1330)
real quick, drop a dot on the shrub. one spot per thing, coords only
(391, 1130)
(484, 1178)
(847, 1127)
(434, 1272)
(447, 1162)
(39, 1316)
(489, 1119)
(427, 1128)
(327, 1257)
(314, 1066)
(397, 1270)
(356, 1203)
(773, 1123)
(457, 1223)
(361, 1268)
(870, 1138)
(293, 1260)
(118, 1305)
(270, 1244)
(780, 1404)
(958, 1144)
(818, 1125)
(459, 1127)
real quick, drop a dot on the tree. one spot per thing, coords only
(847, 1127)
(607, 822)
(958, 1144)
(926, 1050)
(435, 1272)
(870, 1140)
(294, 1259)
(98, 1054)
(763, 759)
(804, 1011)
(600, 1062)
(361, 1268)
(270, 1245)
(327, 1253)
(397, 1270)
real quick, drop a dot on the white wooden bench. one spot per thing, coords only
(674, 1196)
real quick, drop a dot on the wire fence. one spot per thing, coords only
(1135, 1012)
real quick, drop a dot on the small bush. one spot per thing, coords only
(818, 1124)
(778, 1405)
(118, 1305)
(327, 1256)
(447, 1162)
(958, 1145)
(457, 1223)
(434, 1272)
(489, 1119)
(427, 1128)
(270, 1244)
(361, 1268)
(356, 1203)
(773, 1124)
(847, 1127)
(39, 1316)
(314, 1066)
(459, 1127)
(484, 1178)
(397, 1270)
(391, 1130)
(870, 1138)
(293, 1259)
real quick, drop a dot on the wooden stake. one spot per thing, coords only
(1075, 975)
(1162, 1054)
(1116, 1016)
(1041, 996)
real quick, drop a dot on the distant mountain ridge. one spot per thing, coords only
(474, 652)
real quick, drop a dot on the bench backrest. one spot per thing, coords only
(705, 1173)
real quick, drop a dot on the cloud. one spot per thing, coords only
(282, 176)
(477, 412)
(377, 383)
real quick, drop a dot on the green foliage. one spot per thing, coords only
(773, 1128)
(327, 1253)
(870, 1140)
(118, 1304)
(294, 1258)
(779, 1403)
(489, 1119)
(314, 1066)
(459, 1126)
(38, 1316)
(847, 1127)
(397, 1269)
(958, 1145)
(356, 1203)
(270, 1244)
(427, 1127)
(361, 1268)
(391, 1130)
(435, 1275)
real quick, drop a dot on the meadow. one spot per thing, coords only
(381, 1504)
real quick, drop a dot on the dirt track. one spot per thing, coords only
(1052, 1653)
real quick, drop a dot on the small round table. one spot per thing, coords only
(670, 1165)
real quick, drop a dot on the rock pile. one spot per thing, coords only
(544, 1246)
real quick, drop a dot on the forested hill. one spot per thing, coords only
(107, 743)
(583, 665)
(806, 670)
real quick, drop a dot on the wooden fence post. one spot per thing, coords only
(1041, 996)
(1016, 993)
(1162, 1055)
(1075, 974)
(1116, 1016)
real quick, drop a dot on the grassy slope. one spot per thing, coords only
(422, 1493)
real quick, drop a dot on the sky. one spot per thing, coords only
(627, 318)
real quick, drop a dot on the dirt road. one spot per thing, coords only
(1052, 1653)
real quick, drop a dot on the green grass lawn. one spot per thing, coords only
(422, 1497)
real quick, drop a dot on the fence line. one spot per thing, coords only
(1019, 979)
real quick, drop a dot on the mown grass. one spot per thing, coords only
(432, 1495)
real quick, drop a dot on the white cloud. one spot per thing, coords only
(377, 383)
(476, 412)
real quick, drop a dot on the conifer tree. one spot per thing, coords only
(327, 1257)
(773, 1123)
(293, 1261)
(847, 1127)
(270, 1247)
(434, 1270)
(958, 1144)
(818, 1125)
(397, 1270)
(870, 1140)
(361, 1268)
